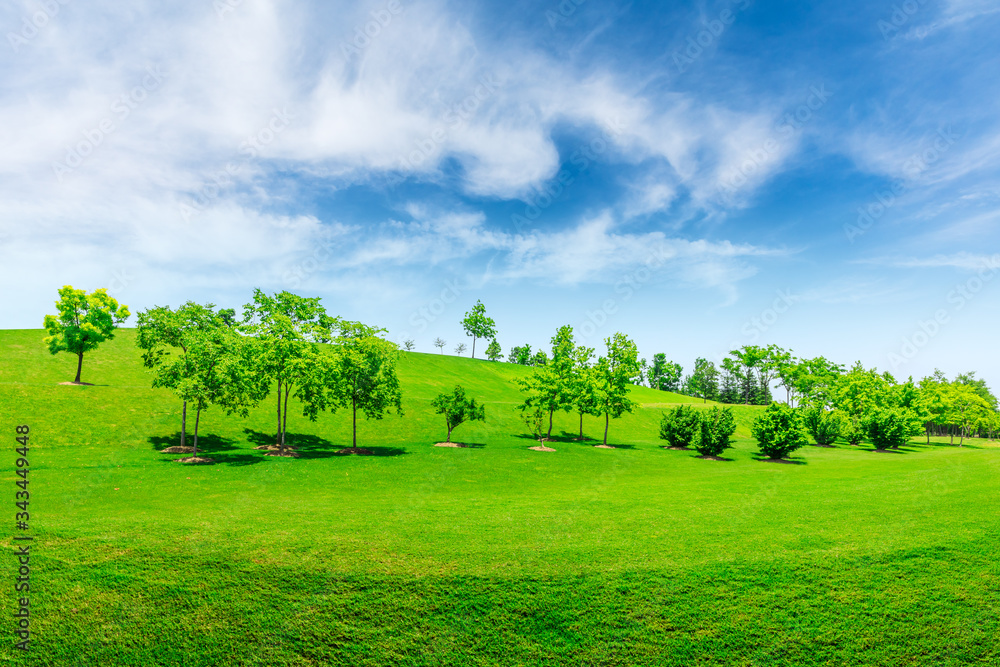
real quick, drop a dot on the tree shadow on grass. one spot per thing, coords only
(382, 451)
(210, 446)
(566, 436)
(711, 458)
(947, 445)
(207, 443)
(309, 446)
(790, 462)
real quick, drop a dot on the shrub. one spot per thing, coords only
(717, 427)
(824, 425)
(680, 426)
(853, 432)
(889, 428)
(779, 431)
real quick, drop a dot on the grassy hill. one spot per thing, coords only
(490, 555)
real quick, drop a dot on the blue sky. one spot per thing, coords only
(700, 176)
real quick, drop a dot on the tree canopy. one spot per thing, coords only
(84, 322)
(478, 325)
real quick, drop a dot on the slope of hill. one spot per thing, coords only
(490, 555)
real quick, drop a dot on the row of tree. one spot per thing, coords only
(283, 345)
(572, 380)
(289, 345)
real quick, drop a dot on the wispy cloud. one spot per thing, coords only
(964, 261)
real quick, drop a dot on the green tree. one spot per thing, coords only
(755, 367)
(460, 349)
(408, 345)
(457, 409)
(704, 380)
(478, 325)
(779, 431)
(717, 428)
(551, 385)
(966, 408)
(164, 336)
(979, 386)
(440, 343)
(657, 370)
(814, 381)
(493, 351)
(934, 403)
(540, 359)
(520, 355)
(217, 372)
(366, 377)
(680, 426)
(286, 329)
(857, 394)
(614, 375)
(84, 322)
(584, 387)
(665, 375)
(534, 419)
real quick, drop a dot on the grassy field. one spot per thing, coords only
(488, 555)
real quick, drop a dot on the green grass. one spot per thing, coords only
(494, 555)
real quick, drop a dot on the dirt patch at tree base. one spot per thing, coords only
(288, 453)
(604, 447)
(711, 458)
(677, 449)
(178, 449)
(197, 460)
(785, 461)
(76, 384)
(360, 451)
(450, 444)
(541, 448)
(275, 448)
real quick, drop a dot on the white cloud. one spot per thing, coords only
(964, 261)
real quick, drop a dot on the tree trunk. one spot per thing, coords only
(548, 436)
(449, 433)
(197, 418)
(473, 347)
(184, 419)
(354, 421)
(284, 418)
(607, 418)
(951, 433)
(277, 438)
(79, 366)
(581, 426)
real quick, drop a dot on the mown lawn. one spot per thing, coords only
(490, 555)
